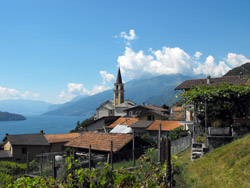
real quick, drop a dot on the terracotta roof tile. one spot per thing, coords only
(100, 141)
(55, 138)
(238, 80)
(123, 121)
(165, 125)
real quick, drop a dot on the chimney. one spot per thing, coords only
(240, 74)
(41, 131)
(208, 79)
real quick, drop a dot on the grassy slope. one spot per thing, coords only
(227, 166)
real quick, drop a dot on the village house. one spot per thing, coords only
(148, 112)
(166, 127)
(57, 141)
(188, 84)
(121, 121)
(16, 147)
(140, 127)
(98, 125)
(100, 142)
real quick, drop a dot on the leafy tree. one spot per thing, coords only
(82, 126)
(224, 102)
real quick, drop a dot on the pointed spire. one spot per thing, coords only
(119, 77)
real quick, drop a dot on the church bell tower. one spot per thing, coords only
(118, 90)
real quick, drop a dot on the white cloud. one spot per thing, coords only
(174, 60)
(75, 89)
(211, 68)
(236, 60)
(165, 61)
(107, 77)
(10, 93)
(98, 89)
(197, 55)
(130, 36)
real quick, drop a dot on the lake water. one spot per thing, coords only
(35, 123)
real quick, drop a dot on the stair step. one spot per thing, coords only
(196, 145)
(197, 154)
(197, 150)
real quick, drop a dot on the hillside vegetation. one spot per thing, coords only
(6, 116)
(243, 69)
(227, 166)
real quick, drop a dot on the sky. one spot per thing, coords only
(55, 50)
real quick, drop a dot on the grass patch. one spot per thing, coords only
(227, 166)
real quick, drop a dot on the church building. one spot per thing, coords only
(116, 106)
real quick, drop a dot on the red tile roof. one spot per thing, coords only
(238, 80)
(165, 125)
(123, 121)
(100, 141)
(55, 138)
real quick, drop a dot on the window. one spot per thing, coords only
(24, 150)
(150, 118)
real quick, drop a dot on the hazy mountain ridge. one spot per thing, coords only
(21, 106)
(157, 90)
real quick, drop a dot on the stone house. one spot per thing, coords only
(140, 127)
(16, 147)
(148, 112)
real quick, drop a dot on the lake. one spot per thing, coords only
(35, 123)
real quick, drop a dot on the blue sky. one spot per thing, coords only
(54, 50)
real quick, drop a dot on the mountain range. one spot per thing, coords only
(20, 106)
(156, 90)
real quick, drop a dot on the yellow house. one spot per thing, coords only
(16, 147)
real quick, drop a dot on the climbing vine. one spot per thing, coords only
(224, 101)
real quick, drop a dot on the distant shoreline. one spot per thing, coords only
(6, 116)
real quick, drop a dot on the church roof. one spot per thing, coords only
(119, 77)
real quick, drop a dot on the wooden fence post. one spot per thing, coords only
(169, 171)
(41, 165)
(54, 166)
(28, 162)
(111, 154)
(159, 143)
(89, 157)
(133, 149)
